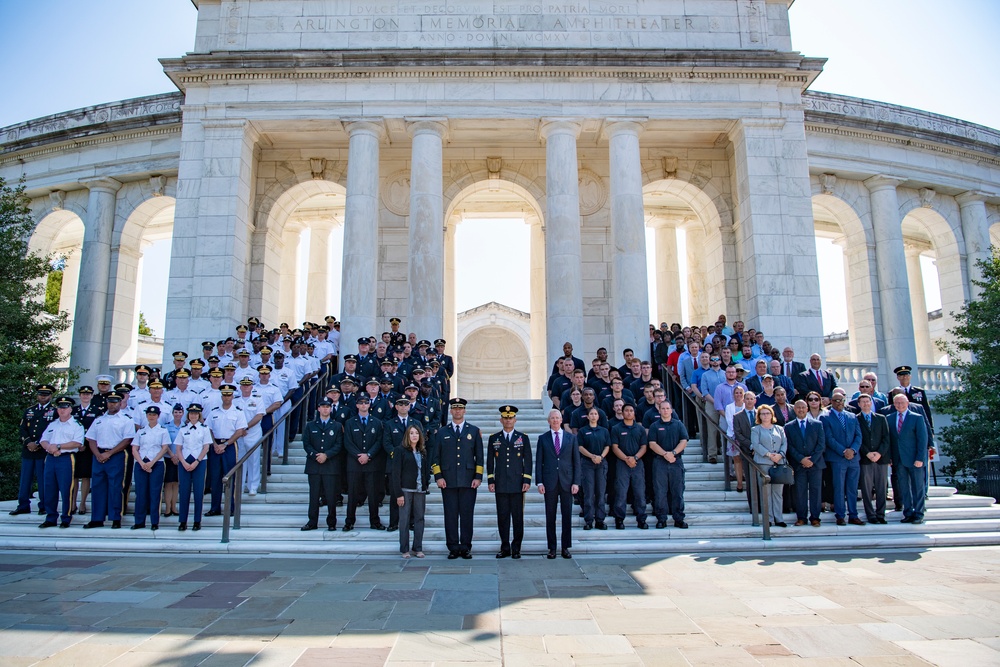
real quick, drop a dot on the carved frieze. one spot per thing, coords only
(395, 192)
(593, 193)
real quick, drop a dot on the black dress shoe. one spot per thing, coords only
(348, 526)
(680, 524)
(516, 555)
(467, 555)
(196, 526)
(377, 526)
(47, 524)
(16, 512)
(661, 524)
(781, 524)
(452, 555)
(94, 524)
(333, 527)
(392, 527)
(182, 527)
(41, 512)
(642, 525)
(137, 526)
(503, 553)
(917, 520)
(906, 519)
(64, 524)
(308, 526)
(619, 524)
(601, 525)
(116, 524)
(566, 553)
(155, 526)
(588, 526)
(213, 513)
(552, 554)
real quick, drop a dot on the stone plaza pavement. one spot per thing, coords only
(939, 607)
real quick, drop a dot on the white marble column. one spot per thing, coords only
(213, 228)
(361, 211)
(630, 300)
(775, 233)
(897, 346)
(536, 285)
(92, 288)
(317, 292)
(668, 274)
(697, 279)
(426, 266)
(852, 324)
(976, 230)
(918, 304)
(288, 292)
(122, 319)
(563, 274)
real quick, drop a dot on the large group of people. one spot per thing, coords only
(379, 430)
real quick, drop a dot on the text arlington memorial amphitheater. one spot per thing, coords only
(591, 120)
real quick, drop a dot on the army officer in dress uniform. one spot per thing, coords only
(323, 440)
(508, 474)
(457, 466)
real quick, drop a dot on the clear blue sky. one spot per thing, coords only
(938, 56)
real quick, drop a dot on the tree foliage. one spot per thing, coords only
(53, 289)
(28, 335)
(144, 329)
(975, 408)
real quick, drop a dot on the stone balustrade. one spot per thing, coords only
(934, 379)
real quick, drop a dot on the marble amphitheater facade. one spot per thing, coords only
(392, 123)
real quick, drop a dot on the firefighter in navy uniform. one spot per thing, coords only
(323, 442)
(447, 366)
(508, 473)
(430, 406)
(33, 424)
(457, 466)
(364, 444)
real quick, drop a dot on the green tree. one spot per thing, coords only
(975, 408)
(144, 329)
(53, 290)
(28, 334)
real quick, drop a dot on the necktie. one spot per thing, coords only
(557, 443)
(819, 378)
(899, 423)
(843, 420)
(696, 364)
(404, 423)
(364, 423)
(802, 427)
(788, 369)
(458, 429)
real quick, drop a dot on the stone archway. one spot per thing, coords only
(493, 359)
(60, 234)
(502, 199)
(300, 209)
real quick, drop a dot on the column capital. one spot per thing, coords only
(550, 126)
(882, 182)
(616, 125)
(371, 126)
(913, 247)
(971, 197)
(102, 184)
(437, 126)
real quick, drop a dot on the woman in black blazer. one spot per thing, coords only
(411, 475)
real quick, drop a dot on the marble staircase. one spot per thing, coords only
(719, 520)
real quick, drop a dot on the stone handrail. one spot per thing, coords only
(934, 379)
(850, 373)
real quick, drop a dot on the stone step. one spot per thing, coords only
(295, 475)
(250, 541)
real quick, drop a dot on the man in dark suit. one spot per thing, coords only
(889, 412)
(908, 440)
(457, 466)
(364, 442)
(916, 395)
(875, 457)
(843, 447)
(816, 379)
(789, 367)
(743, 423)
(557, 473)
(322, 440)
(508, 474)
(806, 445)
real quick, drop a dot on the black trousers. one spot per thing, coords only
(558, 494)
(393, 507)
(324, 486)
(459, 505)
(510, 507)
(668, 489)
(592, 485)
(368, 482)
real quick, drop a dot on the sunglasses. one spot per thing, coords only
(813, 400)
